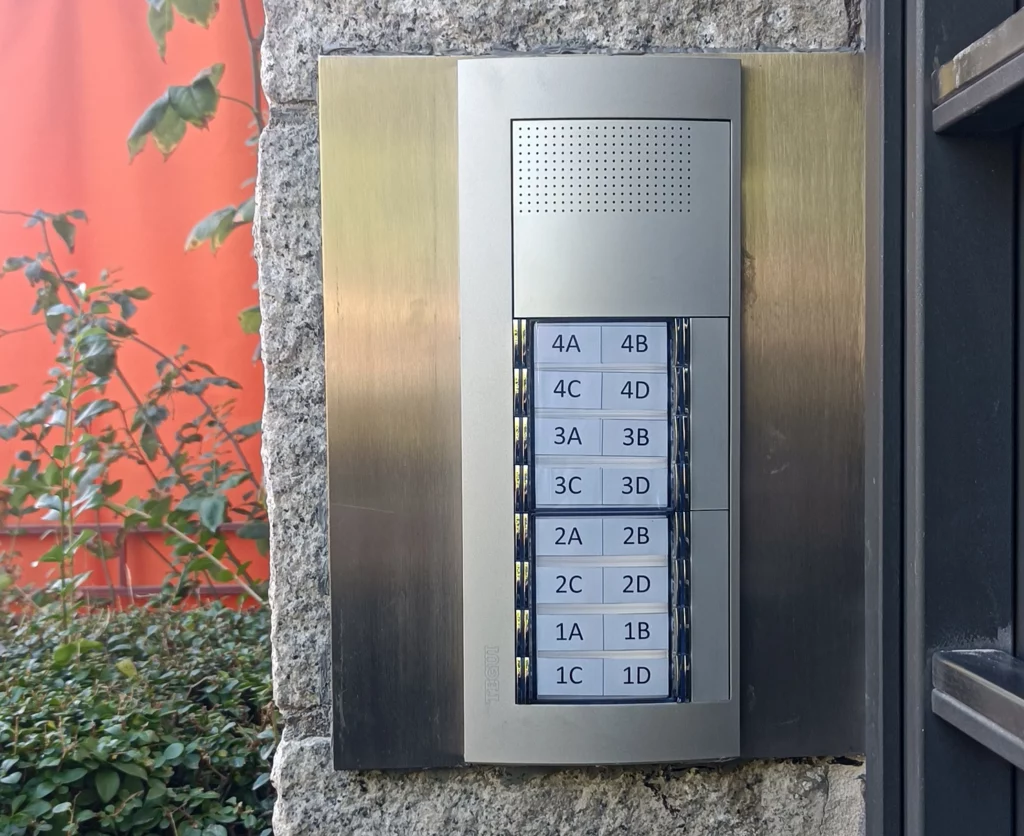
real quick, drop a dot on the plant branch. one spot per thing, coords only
(181, 535)
(256, 114)
(135, 444)
(160, 554)
(103, 560)
(171, 460)
(160, 443)
(53, 261)
(209, 409)
(255, 42)
(23, 428)
(6, 332)
(67, 505)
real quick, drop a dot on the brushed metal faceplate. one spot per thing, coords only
(390, 162)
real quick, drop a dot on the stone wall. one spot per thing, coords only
(788, 799)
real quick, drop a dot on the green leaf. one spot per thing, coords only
(94, 409)
(248, 430)
(8, 387)
(63, 654)
(173, 751)
(13, 778)
(157, 790)
(71, 775)
(107, 783)
(215, 72)
(168, 132)
(255, 530)
(15, 263)
(206, 564)
(146, 123)
(250, 319)
(197, 11)
(126, 667)
(196, 103)
(140, 293)
(132, 769)
(6, 581)
(246, 211)
(214, 228)
(215, 830)
(99, 354)
(261, 780)
(212, 510)
(160, 18)
(63, 807)
(36, 809)
(149, 442)
(66, 230)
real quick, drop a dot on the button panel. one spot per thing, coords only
(606, 498)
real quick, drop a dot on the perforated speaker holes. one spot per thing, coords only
(601, 165)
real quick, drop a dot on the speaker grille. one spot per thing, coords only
(601, 165)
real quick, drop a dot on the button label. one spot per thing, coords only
(568, 436)
(636, 678)
(635, 486)
(634, 390)
(635, 344)
(568, 390)
(636, 631)
(570, 632)
(634, 438)
(557, 536)
(568, 486)
(567, 343)
(635, 535)
(569, 585)
(558, 677)
(636, 585)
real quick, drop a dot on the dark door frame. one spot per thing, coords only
(941, 428)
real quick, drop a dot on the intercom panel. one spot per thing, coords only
(599, 293)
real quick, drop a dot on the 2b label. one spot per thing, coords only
(636, 535)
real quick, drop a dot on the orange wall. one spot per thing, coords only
(74, 77)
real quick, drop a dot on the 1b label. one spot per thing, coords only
(636, 631)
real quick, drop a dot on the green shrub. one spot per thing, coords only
(149, 720)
